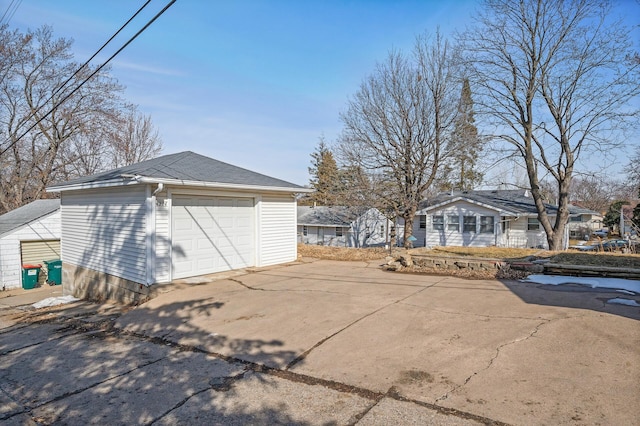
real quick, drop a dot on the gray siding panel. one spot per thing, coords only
(105, 231)
(277, 230)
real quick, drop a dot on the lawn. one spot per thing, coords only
(619, 260)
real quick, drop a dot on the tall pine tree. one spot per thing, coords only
(325, 177)
(461, 173)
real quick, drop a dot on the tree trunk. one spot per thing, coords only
(408, 216)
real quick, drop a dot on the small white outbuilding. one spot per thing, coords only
(172, 217)
(28, 235)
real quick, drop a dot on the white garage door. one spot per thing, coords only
(211, 234)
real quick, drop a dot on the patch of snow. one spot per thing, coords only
(54, 301)
(624, 292)
(627, 302)
(593, 282)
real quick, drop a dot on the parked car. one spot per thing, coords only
(610, 245)
(602, 233)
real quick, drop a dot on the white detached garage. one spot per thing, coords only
(176, 216)
(28, 234)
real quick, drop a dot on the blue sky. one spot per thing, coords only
(252, 83)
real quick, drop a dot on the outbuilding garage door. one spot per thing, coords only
(211, 234)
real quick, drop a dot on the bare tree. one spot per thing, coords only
(134, 138)
(48, 131)
(31, 97)
(398, 124)
(555, 79)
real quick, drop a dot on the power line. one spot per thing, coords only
(63, 85)
(9, 13)
(92, 74)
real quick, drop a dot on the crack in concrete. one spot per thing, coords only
(287, 290)
(308, 351)
(395, 394)
(249, 366)
(218, 384)
(493, 358)
(476, 315)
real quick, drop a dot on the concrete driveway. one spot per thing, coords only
(331, 342)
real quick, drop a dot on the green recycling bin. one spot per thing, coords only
(30, 275)
(54, 271)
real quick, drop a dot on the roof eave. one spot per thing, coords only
(177, 182)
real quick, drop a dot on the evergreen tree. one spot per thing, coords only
(612, 217)
(324, 175)
(461, 174)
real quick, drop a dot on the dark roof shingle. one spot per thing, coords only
(28, 213)
(516, 201)
(185, 166)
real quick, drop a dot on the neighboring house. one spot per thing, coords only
(342, 226)
(28, 235)
(503, 218)
(175, 216)
(583, 222)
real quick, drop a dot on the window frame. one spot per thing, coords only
(422, 224)
(439, 224)
(339, 231)
(466, 228)
(486, 228)
(453, 225)
(533, 224)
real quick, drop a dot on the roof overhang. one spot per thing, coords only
(470, 201)
(126, 180)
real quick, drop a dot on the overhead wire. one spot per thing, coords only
(15, 4)
(98, 69)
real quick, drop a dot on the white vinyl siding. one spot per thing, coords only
(105, 231)
(45, 228)
(163, 240)
(456, 215)
(277, 230)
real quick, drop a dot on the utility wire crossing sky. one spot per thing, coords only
(251, 83)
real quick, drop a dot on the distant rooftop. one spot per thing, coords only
(515, 201)
(28, 213)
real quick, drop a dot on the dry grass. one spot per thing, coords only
(483, 252)
(615, 260)
(341, 253)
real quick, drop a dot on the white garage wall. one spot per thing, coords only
(45, 228)
(163, 239)
(105, 231)
(276, 230)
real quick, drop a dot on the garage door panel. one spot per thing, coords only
(213, 233)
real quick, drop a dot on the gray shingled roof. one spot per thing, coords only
(326, 216)
(185, 166)
(26, 214)
(516, 201)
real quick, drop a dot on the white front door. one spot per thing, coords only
(211, 234)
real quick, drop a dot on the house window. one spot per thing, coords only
(575, 218)
(533, 224)
(305, 230)
(437, 223)
(367, 233)
(469, 224)
(338, 231)
(423, 221)
(453, 223)
(486, 224)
